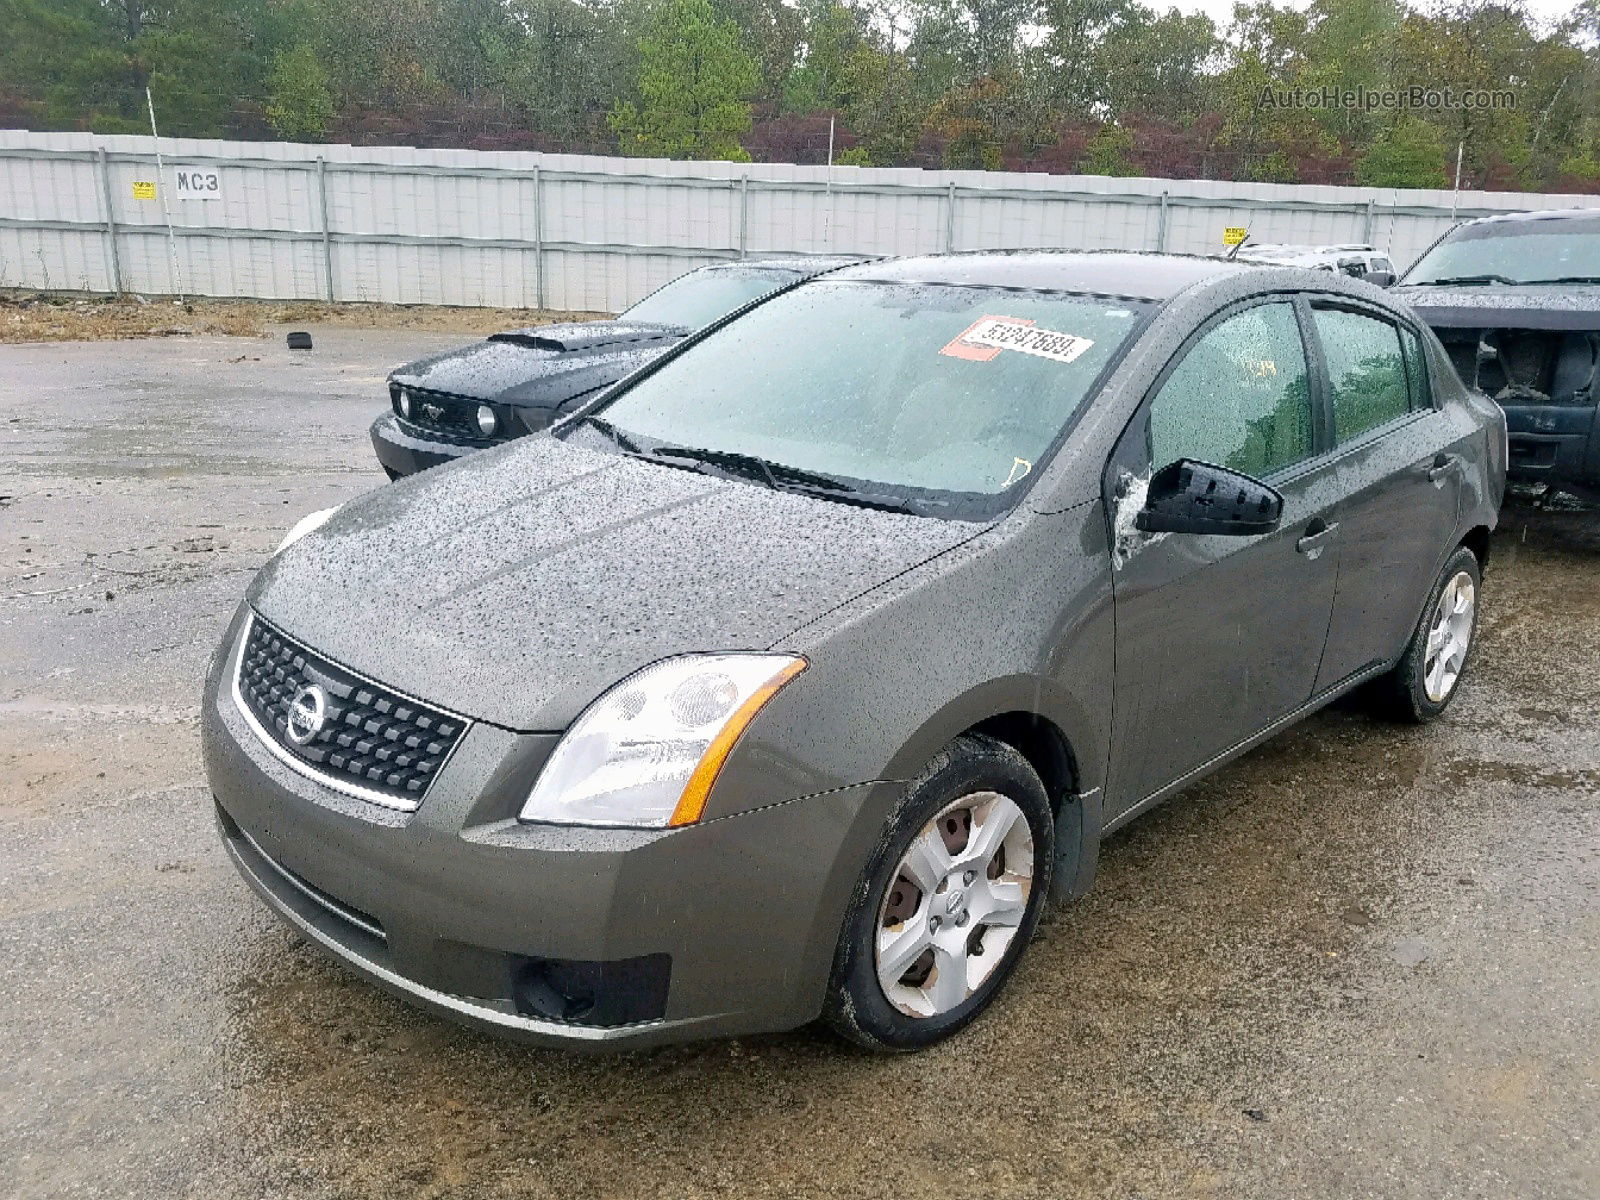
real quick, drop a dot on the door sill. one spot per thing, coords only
(1321, 699)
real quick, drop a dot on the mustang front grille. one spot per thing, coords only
(454, 416)
(348, 732)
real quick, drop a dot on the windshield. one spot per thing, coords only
(919, 391)
(1564, 250)
(700, 297)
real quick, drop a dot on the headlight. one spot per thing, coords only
(487, 422)
(402, 403)
(304, 526)
(647, 752)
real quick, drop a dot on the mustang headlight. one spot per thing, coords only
(304, 526)
(647, 752)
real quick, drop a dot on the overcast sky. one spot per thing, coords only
(1221, 11)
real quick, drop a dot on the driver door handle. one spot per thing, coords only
(1441, 466)
(1316, 537)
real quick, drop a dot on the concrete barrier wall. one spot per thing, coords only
(564, 231)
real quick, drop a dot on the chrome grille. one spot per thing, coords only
(366, 740)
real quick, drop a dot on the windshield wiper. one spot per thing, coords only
(1449, 279)
(1567, 279)
(782, 478)
(619, 439)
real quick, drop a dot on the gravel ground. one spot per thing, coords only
(63, 317)
(1362, 961)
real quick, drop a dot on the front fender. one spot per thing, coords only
(1016, 620)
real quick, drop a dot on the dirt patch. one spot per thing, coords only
(54, 317)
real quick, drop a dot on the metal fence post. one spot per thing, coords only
(950, 219)
(1161, 225)
(538, 239)
(111, 221)
(327, 234)
(744, 216)
(1366, 238)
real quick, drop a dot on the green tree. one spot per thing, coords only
(1351, 45)
(89, 61)
(694, 78)
(556, 63)
(822, 78)
(1108, 150)
(1410, 153)
(300, 99)
(1158, 64)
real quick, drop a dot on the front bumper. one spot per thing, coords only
(448, 905)
(404, 453)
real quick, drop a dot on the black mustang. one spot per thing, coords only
(517, 383)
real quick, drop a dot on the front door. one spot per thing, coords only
(1217, 637)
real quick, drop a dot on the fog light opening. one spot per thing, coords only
(620, 992)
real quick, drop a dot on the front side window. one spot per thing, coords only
(695, 300)
(929, 391)
(1240, 398)
(1366, 371)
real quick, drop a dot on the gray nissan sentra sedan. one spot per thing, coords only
(790, 678)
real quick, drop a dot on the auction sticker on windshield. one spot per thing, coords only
(987, 336)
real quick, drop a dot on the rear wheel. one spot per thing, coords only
(949, 901)
(1426, 679)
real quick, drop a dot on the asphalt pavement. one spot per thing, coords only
(1363, 961)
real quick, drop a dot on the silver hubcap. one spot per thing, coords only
(952, 909)
(1448, 637)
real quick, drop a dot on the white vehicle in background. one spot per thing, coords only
(1359, 262)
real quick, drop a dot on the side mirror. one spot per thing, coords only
(1196, 497)
(1381, 278)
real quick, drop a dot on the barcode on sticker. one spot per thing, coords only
(994, 334)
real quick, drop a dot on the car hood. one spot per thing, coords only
(515, 585)
(542, 367)
(1557, 307)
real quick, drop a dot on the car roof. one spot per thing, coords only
(1134, 274)
(805, 264)
(1289, 250)
(1541, 214)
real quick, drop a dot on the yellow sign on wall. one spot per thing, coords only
(1233, 235)
(144, 190)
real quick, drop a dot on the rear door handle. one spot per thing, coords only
(1441, 466)
(1316, 537)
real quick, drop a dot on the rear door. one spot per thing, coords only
(1401, 471)
(1217, 637)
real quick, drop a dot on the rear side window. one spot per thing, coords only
(1240, 397)
(1367, 376)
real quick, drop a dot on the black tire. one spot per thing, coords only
(856, 1006)
(1402, 694)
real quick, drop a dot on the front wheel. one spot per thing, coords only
(1426, 678)
(947, 904)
